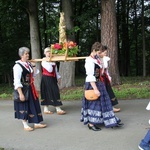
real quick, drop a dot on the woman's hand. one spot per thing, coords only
(97, 92)
(22, 97)
(33, 64)
(58, 81)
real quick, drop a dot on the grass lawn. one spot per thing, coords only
(131, 88)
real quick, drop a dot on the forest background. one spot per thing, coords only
(121, 25)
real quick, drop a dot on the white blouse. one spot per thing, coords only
(49, 67)
(105, 61)
(17, 73)
(89, 67)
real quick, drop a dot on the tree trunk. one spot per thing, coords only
(109, 36)
(35, 38)
(125, 38)
(135, 36)
(67, 69)
(143, 39)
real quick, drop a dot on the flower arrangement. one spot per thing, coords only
(60, 48)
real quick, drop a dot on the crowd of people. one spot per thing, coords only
(93, 113)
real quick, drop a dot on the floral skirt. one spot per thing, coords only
(99, 111)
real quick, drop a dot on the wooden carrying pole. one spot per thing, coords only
(58, 58)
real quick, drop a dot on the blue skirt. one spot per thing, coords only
(99, 111)
(29, 110)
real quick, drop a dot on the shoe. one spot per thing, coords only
(28, 129)
(144, 146)
(36, 126)
(116, 109)
(94, 128)
(61, 112)
(48, 112)
(118, 125)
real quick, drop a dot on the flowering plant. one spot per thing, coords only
(60, 48)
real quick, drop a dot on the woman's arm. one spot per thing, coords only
(89, 67)
(17, 73)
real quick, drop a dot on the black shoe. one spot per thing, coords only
(97, 127)
(94, 128)
(118, 125)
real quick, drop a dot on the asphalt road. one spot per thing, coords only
(68, 133)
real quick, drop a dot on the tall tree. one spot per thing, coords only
(143, 39)
(125, 37)
(109, 36)
(35, 37)
(67, 69)
(135, 32)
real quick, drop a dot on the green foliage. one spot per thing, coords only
(14, 33)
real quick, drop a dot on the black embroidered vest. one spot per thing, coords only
(25, 78)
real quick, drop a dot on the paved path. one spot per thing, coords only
(68, 133)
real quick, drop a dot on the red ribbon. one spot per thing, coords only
(106, 77)
(35, 94)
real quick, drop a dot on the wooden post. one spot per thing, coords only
(51, 55)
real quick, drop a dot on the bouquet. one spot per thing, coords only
(60, 48)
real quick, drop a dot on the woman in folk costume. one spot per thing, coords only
(50, 94)
(106, 77)
(27, 110)
(100, 111)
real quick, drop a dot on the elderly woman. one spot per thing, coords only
(28, 110)
(100, 111)
(50, 94)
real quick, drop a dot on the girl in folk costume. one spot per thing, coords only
(29, 109)
(50, 94)
(106, 77)
(100, 111)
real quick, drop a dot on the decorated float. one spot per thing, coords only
(64, 50)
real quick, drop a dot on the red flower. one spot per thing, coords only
(69, 44)
(72, 44)
(57, 46)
